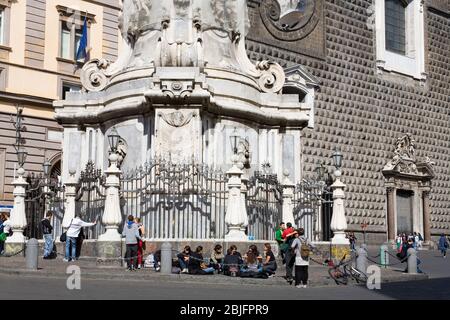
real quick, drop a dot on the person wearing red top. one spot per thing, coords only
(288, 231)
(288, 236)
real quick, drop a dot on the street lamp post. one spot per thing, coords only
(338, 221)
(236, 215)
(112, 217)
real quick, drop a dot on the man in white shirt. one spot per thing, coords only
(72, 234)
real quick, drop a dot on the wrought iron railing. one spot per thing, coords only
(183, 201)
(264, 206)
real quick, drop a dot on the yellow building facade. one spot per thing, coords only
(39, 40)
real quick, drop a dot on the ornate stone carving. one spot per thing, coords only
(244, 153)
(224, 13)
(94, 75)
(177, 119)
(405, 162)
(289, 19)
(177, 90)
(272, 76)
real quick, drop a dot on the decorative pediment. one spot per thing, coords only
(298, 76)
(75, 15)
(405, 163)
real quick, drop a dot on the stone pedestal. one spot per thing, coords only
(18, 218)
(109, 252)
(339, 221)
(112, 217)
(236, 215)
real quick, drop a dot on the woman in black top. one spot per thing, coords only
(197, 264)
(270, 264)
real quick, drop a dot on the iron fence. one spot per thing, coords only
(43, 194)
(90, 199)
(264, 203)
(313, 201)
(184, 201)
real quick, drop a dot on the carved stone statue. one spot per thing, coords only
(183, 33)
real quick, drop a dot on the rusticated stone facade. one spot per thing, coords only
(363, 111)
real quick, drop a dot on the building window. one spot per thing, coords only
(400, 37)
(395, 15)
(2, 26)
(71, 31)
(69, 87)
(70, 40)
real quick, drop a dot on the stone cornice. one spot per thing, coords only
(23, 99)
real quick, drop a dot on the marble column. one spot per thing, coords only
(391, 213)
(426, 216)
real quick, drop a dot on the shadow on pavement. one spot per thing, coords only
(435, 289)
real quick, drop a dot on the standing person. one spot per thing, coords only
(399, 242)
(279, 238)
(301, 246)
(288, 236)
(352, 240)
(183, 259)
(5, 230)
(269, 264)
(47, 230)
(140, 251)
(72, 235)
(80, 240)
(131, 234)
(443, 245)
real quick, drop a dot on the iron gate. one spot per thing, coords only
(90, 199)
(184, 201)
(264, 204)
(311, 201)
(43, 194)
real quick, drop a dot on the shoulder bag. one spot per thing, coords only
(63, 236)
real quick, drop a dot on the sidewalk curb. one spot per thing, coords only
(189, 279)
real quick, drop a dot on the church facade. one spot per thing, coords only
(384, 74)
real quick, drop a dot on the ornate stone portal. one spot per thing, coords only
(408, 183)
(180, 89)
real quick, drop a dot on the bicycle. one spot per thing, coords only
(341, 272)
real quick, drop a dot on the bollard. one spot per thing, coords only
(166, 258)
(384, 256)
(412, 261)
(361, 259)
(32, 254)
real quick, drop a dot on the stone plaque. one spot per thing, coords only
(177, 134)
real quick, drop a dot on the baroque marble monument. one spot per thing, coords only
(181, 87)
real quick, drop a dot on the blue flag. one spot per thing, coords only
(82, 48)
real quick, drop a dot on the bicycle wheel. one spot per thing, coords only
(338, 276)
(359, 276)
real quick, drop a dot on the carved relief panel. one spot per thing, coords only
(295, 25)
(177, 134)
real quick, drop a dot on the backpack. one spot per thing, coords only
(304, 250)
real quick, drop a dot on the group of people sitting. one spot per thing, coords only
(251, 264)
